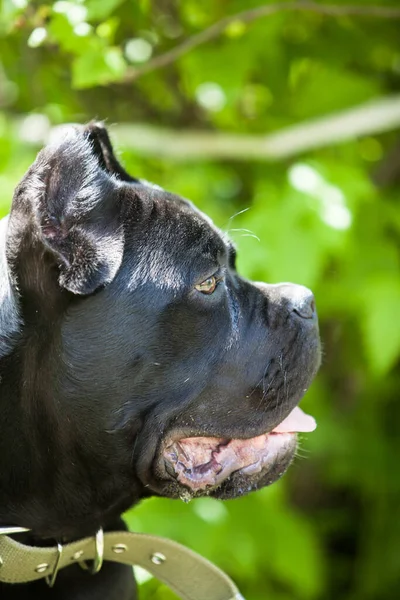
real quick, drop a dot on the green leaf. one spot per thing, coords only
(63, 34)
(94, 68)
(98, 10)
(381, 321)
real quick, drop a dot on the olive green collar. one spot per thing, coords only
(188, 574)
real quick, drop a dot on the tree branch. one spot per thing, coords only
(248, 16)
(368, 119)
(371, 118)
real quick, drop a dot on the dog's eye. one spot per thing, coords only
(207, 286)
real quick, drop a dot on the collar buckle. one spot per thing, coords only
(93, 568)
(51, 579)
(99, 554)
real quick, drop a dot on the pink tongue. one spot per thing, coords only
(297, 420)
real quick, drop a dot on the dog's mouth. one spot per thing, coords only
(203, 463)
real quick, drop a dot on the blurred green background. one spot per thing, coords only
(321, 207)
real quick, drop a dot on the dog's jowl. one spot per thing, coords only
(134, 358)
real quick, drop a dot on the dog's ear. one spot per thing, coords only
(70, 204)
(98, 136)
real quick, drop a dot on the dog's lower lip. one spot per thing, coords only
(205, 462)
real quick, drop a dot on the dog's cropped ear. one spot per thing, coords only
(70, 200)
(98, 136)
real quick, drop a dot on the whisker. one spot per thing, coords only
(284, 375)
(255, 387)
(299, 455)
(134, 447)
(301, 451)
(267, 388)
(247, 233)
(238, 213)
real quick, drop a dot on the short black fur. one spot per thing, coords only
(107, 349)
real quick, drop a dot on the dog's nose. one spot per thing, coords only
(301, 301)
(295, 299)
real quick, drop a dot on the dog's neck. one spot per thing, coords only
(9, 310)
(36, 434)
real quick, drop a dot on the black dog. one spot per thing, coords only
(134, 360)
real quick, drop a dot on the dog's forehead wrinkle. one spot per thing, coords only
(181, 244)
(157, 269)
(186, 208)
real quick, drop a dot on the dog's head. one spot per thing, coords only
(146, 363)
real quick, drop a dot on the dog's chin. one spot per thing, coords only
(224, 468)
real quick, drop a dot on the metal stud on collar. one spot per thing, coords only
(42, 567)
(158, 558)
(119, 548)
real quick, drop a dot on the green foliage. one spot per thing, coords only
(330, 528)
